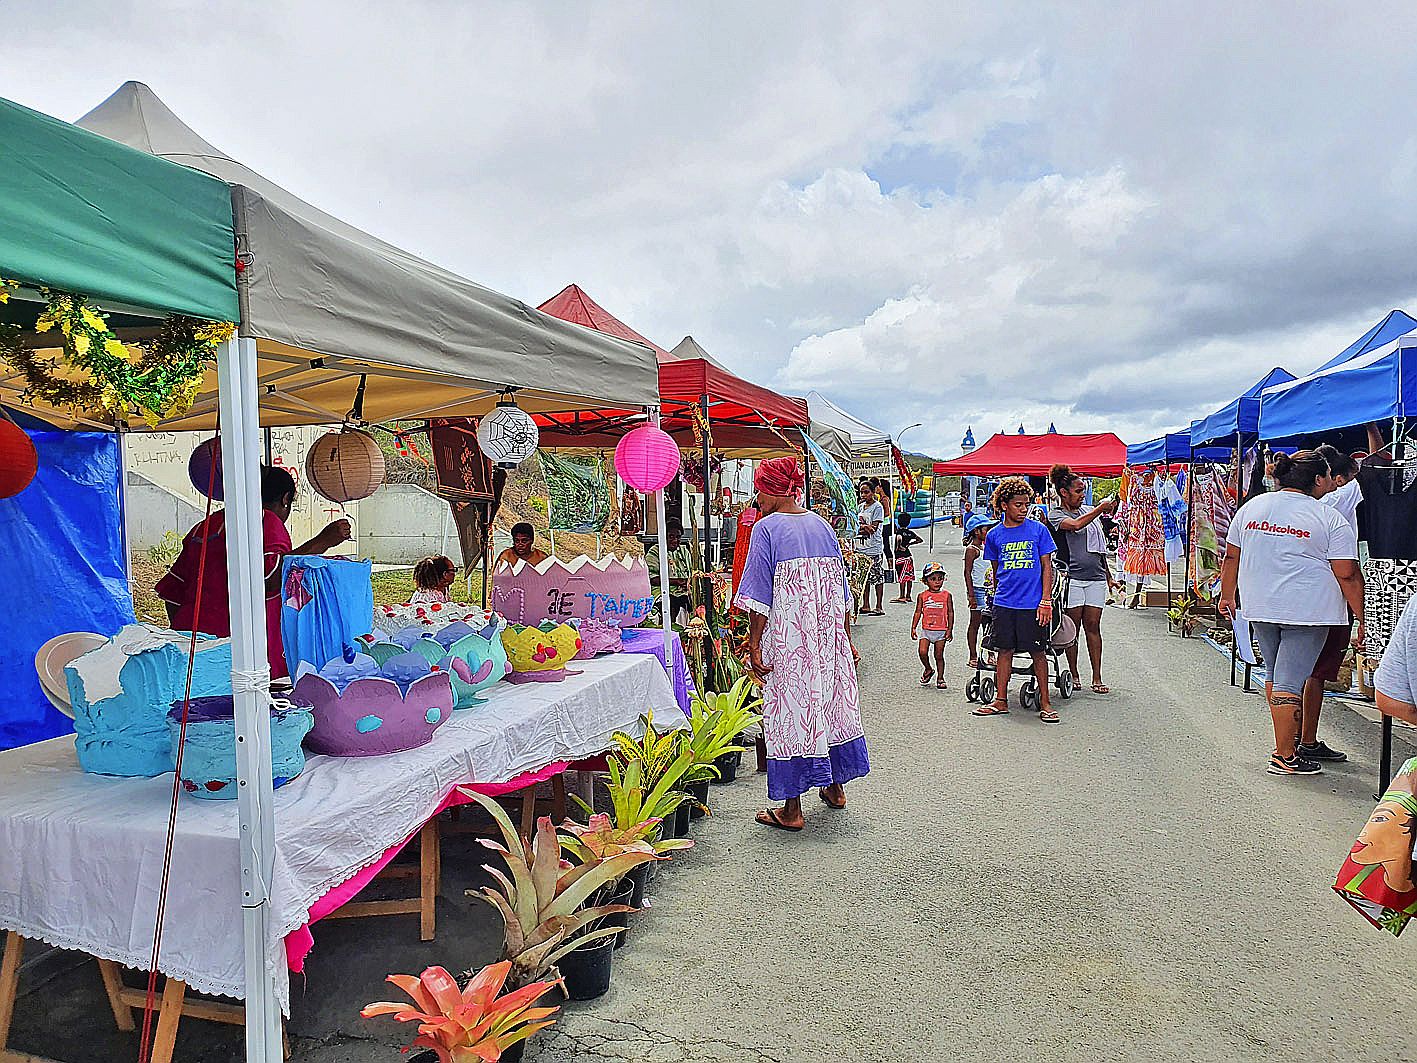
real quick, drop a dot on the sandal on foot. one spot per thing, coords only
(768, 817)
(1101, 688)
(995, 709)
(822, 793)
(1049, 716)
(926, 679)
(942, 685)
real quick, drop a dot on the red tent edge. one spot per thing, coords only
(1098, 454)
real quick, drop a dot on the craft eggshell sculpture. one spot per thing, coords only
(613, 588)
(209, 752)
(371, 715)
(540, 654)
(598, 637)
(474, 660)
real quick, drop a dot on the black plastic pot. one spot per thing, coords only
(511, 1055)
(699, 808)
(638, 878)
(727, 766)
(679, 826)
(624, 892)
(587, 970)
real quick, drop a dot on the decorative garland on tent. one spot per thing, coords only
(97, 370)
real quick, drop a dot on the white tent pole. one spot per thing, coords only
(250, 677)
(664, 606)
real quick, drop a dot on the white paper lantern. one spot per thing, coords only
(345, 466)
(507, 435)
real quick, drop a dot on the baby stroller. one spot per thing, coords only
(1062, 633)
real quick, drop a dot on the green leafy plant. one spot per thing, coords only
(166, 551)
(633, 800)
(475, 1023)
(717, 720)
(602, 838)
(542, 897)
(1183, 614)
(654, 750)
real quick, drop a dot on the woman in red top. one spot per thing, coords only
(933, 623)
(212, 615)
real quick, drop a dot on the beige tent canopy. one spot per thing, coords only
(330, 305)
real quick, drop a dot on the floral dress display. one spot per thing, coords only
(1144, 552)
(795, 576)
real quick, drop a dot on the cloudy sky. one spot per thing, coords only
(963, 214)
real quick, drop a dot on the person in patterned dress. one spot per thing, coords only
(799, 643)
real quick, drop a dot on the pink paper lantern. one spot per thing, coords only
(199, 467)
(647, 458)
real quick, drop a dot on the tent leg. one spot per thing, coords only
(250, 673)
(708, 502)
(666, 621)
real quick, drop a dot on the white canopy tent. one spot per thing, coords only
(864, 438)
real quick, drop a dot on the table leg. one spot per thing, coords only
(428, 860)
(168, 1015)
(558, 798)
(528, 813)
(113, 986)
(9, 983)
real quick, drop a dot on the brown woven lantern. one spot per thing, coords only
(345, 466)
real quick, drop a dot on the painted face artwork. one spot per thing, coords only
(1377, 878)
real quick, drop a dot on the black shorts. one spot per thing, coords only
(1331, 656)
(1019, 630)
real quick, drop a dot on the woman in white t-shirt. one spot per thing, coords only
(1294, 562)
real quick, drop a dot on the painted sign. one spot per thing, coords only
(613, 588)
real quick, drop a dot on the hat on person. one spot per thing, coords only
(933, 568)
(979, 520)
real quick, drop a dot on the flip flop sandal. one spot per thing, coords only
(942, 685)
(768, 818)
(927, 680)
(990, 710)
(1049, 716)
(822, 793)
(1101, 688)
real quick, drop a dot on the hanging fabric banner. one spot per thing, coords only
(578, 498)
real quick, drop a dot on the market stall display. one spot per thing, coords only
(540, 653)
(610, 588)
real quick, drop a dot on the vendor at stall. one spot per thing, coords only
(211, 615)
(681, 565)
(523, 547)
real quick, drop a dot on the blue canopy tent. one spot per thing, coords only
(1397, 323)
(1377, 386)
(1240, 416)
(1174, 448)
(63, 536)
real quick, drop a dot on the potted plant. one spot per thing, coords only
(602, 838)
(718, 721)
(634, 804)
(1183, 615)
(476, 1022)
(667, 769)
(543, 900)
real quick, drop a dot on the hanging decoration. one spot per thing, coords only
(199, 468)
(507, 435)
(94, 370)
(694, 471)
(345, 466)
(647, 458)
(578, 500)
(19, 461)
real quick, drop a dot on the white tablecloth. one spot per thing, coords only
(81, 855)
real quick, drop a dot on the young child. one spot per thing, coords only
(976, 575)
(934, 623)
(431, 579)
(903, 540)
(1021, 551)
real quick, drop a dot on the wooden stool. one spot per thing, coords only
(429, 873)
(126, 1003)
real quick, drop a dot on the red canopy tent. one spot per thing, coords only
(746, 420)
(1100, 454)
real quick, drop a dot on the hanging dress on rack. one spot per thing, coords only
(1211, 509)
(1145, 542)
(1388, 522)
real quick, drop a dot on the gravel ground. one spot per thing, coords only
(1129, 885)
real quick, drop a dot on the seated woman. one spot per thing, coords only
(523, 547)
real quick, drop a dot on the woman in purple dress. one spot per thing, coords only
(799, 642)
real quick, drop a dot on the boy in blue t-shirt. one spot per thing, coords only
(1020, 550)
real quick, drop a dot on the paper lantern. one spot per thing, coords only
(19, 461)
(199, 467)
(507, 435)
(647, 458)
(345, 466)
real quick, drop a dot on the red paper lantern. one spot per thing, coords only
(647, 458)
(199, 467)
(19, 461)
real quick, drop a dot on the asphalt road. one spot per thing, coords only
(1129, 885)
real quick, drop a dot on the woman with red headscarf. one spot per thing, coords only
(799, 641)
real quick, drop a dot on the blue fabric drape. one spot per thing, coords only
(62, 538)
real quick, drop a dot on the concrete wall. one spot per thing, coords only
(153, 510)
(401, 523)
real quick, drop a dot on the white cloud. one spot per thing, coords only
(1107, 216)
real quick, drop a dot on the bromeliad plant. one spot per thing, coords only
(634, 801)
(542, 897)
(717, 721)
(602, 838)
(473, 1024)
